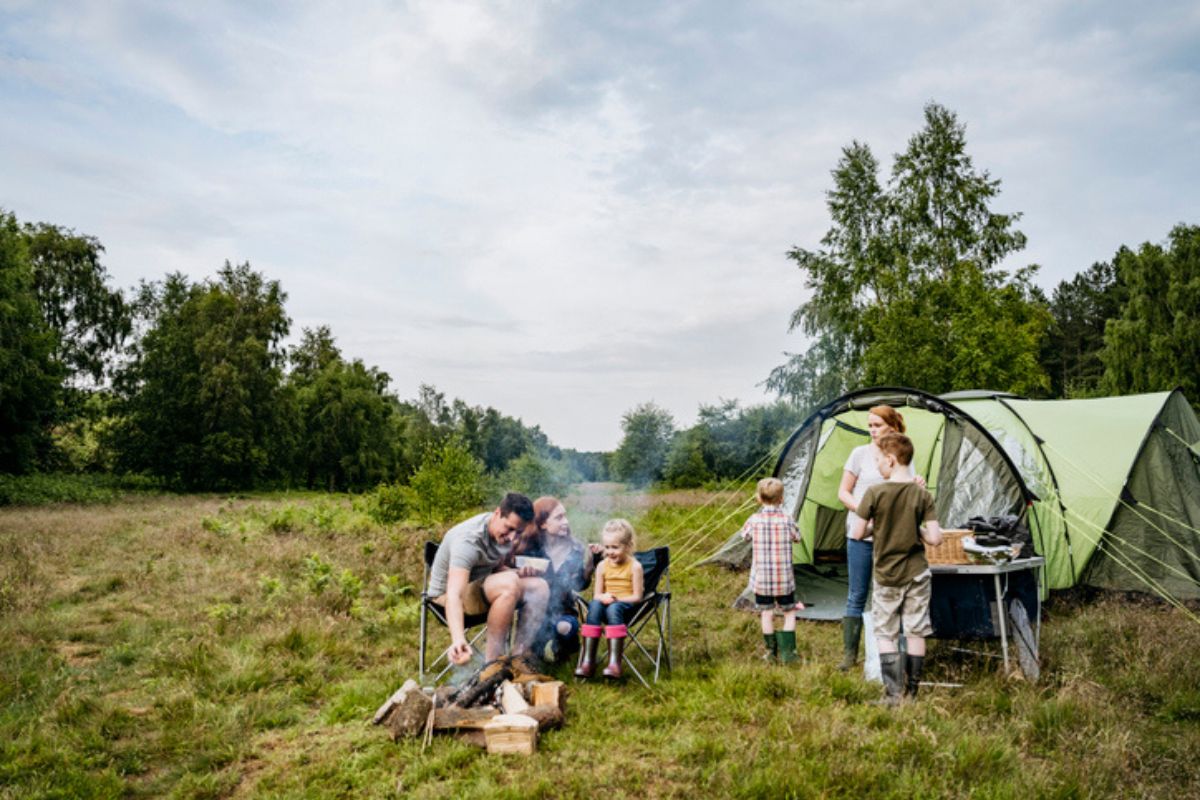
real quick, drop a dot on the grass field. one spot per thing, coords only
(236, 647)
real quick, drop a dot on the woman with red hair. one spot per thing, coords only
(571, 563)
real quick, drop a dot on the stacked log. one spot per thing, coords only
(527, 701)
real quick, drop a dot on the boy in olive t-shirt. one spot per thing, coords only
(901, 514)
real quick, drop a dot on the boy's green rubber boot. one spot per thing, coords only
(786, 641)
(772, 647)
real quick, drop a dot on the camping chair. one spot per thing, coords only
(653, 648)
(431, 609)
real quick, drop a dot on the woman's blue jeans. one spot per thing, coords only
(859, 564)
(614, 613)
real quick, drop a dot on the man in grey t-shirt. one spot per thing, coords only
(468, 576)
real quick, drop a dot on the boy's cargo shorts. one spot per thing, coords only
(892, 606)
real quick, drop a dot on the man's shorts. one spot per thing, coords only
(908, 604)
(767, 602)
(474, 600)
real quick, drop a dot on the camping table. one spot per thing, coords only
(1036, 564)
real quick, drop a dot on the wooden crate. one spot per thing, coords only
(950, 551)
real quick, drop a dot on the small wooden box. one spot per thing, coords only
(511, 733)
(950, 551)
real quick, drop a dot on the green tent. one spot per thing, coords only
(1109, 487)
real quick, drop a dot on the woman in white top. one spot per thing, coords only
(861, 474)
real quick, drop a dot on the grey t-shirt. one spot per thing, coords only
(467, 545)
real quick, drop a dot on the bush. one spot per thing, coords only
(44, 488)
(536, 475)
(449, 482)
(388, 504)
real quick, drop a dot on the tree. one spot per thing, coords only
(642, 454)
(344, 416)
(449, 482)
(1081, 307)
(906, 287)
(30, 376)
(90, 319)
(1155, 343)
(687, 461)
(538, 474)
(203, 402)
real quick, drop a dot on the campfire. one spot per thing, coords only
(502, 707)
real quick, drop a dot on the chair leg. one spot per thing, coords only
(423, 645)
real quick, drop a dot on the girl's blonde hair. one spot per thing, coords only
(623, 531)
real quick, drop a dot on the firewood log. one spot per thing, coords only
(511, 699)
(548, 717)
(455, 718)
(409, 713)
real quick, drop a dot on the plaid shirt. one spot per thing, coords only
(772, 533)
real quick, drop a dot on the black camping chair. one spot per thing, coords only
(649, 644)
(431, 609)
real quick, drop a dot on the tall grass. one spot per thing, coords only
(208, 647)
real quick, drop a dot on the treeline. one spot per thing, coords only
(906, 290)
(726, 442)
(190, 383)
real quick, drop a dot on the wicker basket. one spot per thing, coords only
(950, 551)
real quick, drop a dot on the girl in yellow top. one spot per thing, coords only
(618, 590)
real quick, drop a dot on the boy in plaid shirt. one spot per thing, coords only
(772, 532)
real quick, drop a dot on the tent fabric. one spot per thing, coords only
(1110, 486)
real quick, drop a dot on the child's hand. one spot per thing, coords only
(608, 598)
(799, 606)
(595, 548)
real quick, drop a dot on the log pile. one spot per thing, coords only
(502, 708)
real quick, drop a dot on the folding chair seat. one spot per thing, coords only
(649, 623)
(438, 612)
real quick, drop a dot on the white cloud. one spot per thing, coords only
(563, 210)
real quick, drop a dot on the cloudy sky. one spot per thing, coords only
(565, 209)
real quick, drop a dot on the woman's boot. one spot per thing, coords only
(587, 658)
(616, 649)
(851, 634)
(787, 646)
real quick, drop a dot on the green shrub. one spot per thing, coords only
(288, 519)
(537, 475)
(393, 589)
(388, 504)
(318, 573)
(449, 482)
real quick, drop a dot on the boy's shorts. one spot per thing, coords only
(907, 604)
(767, 602)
